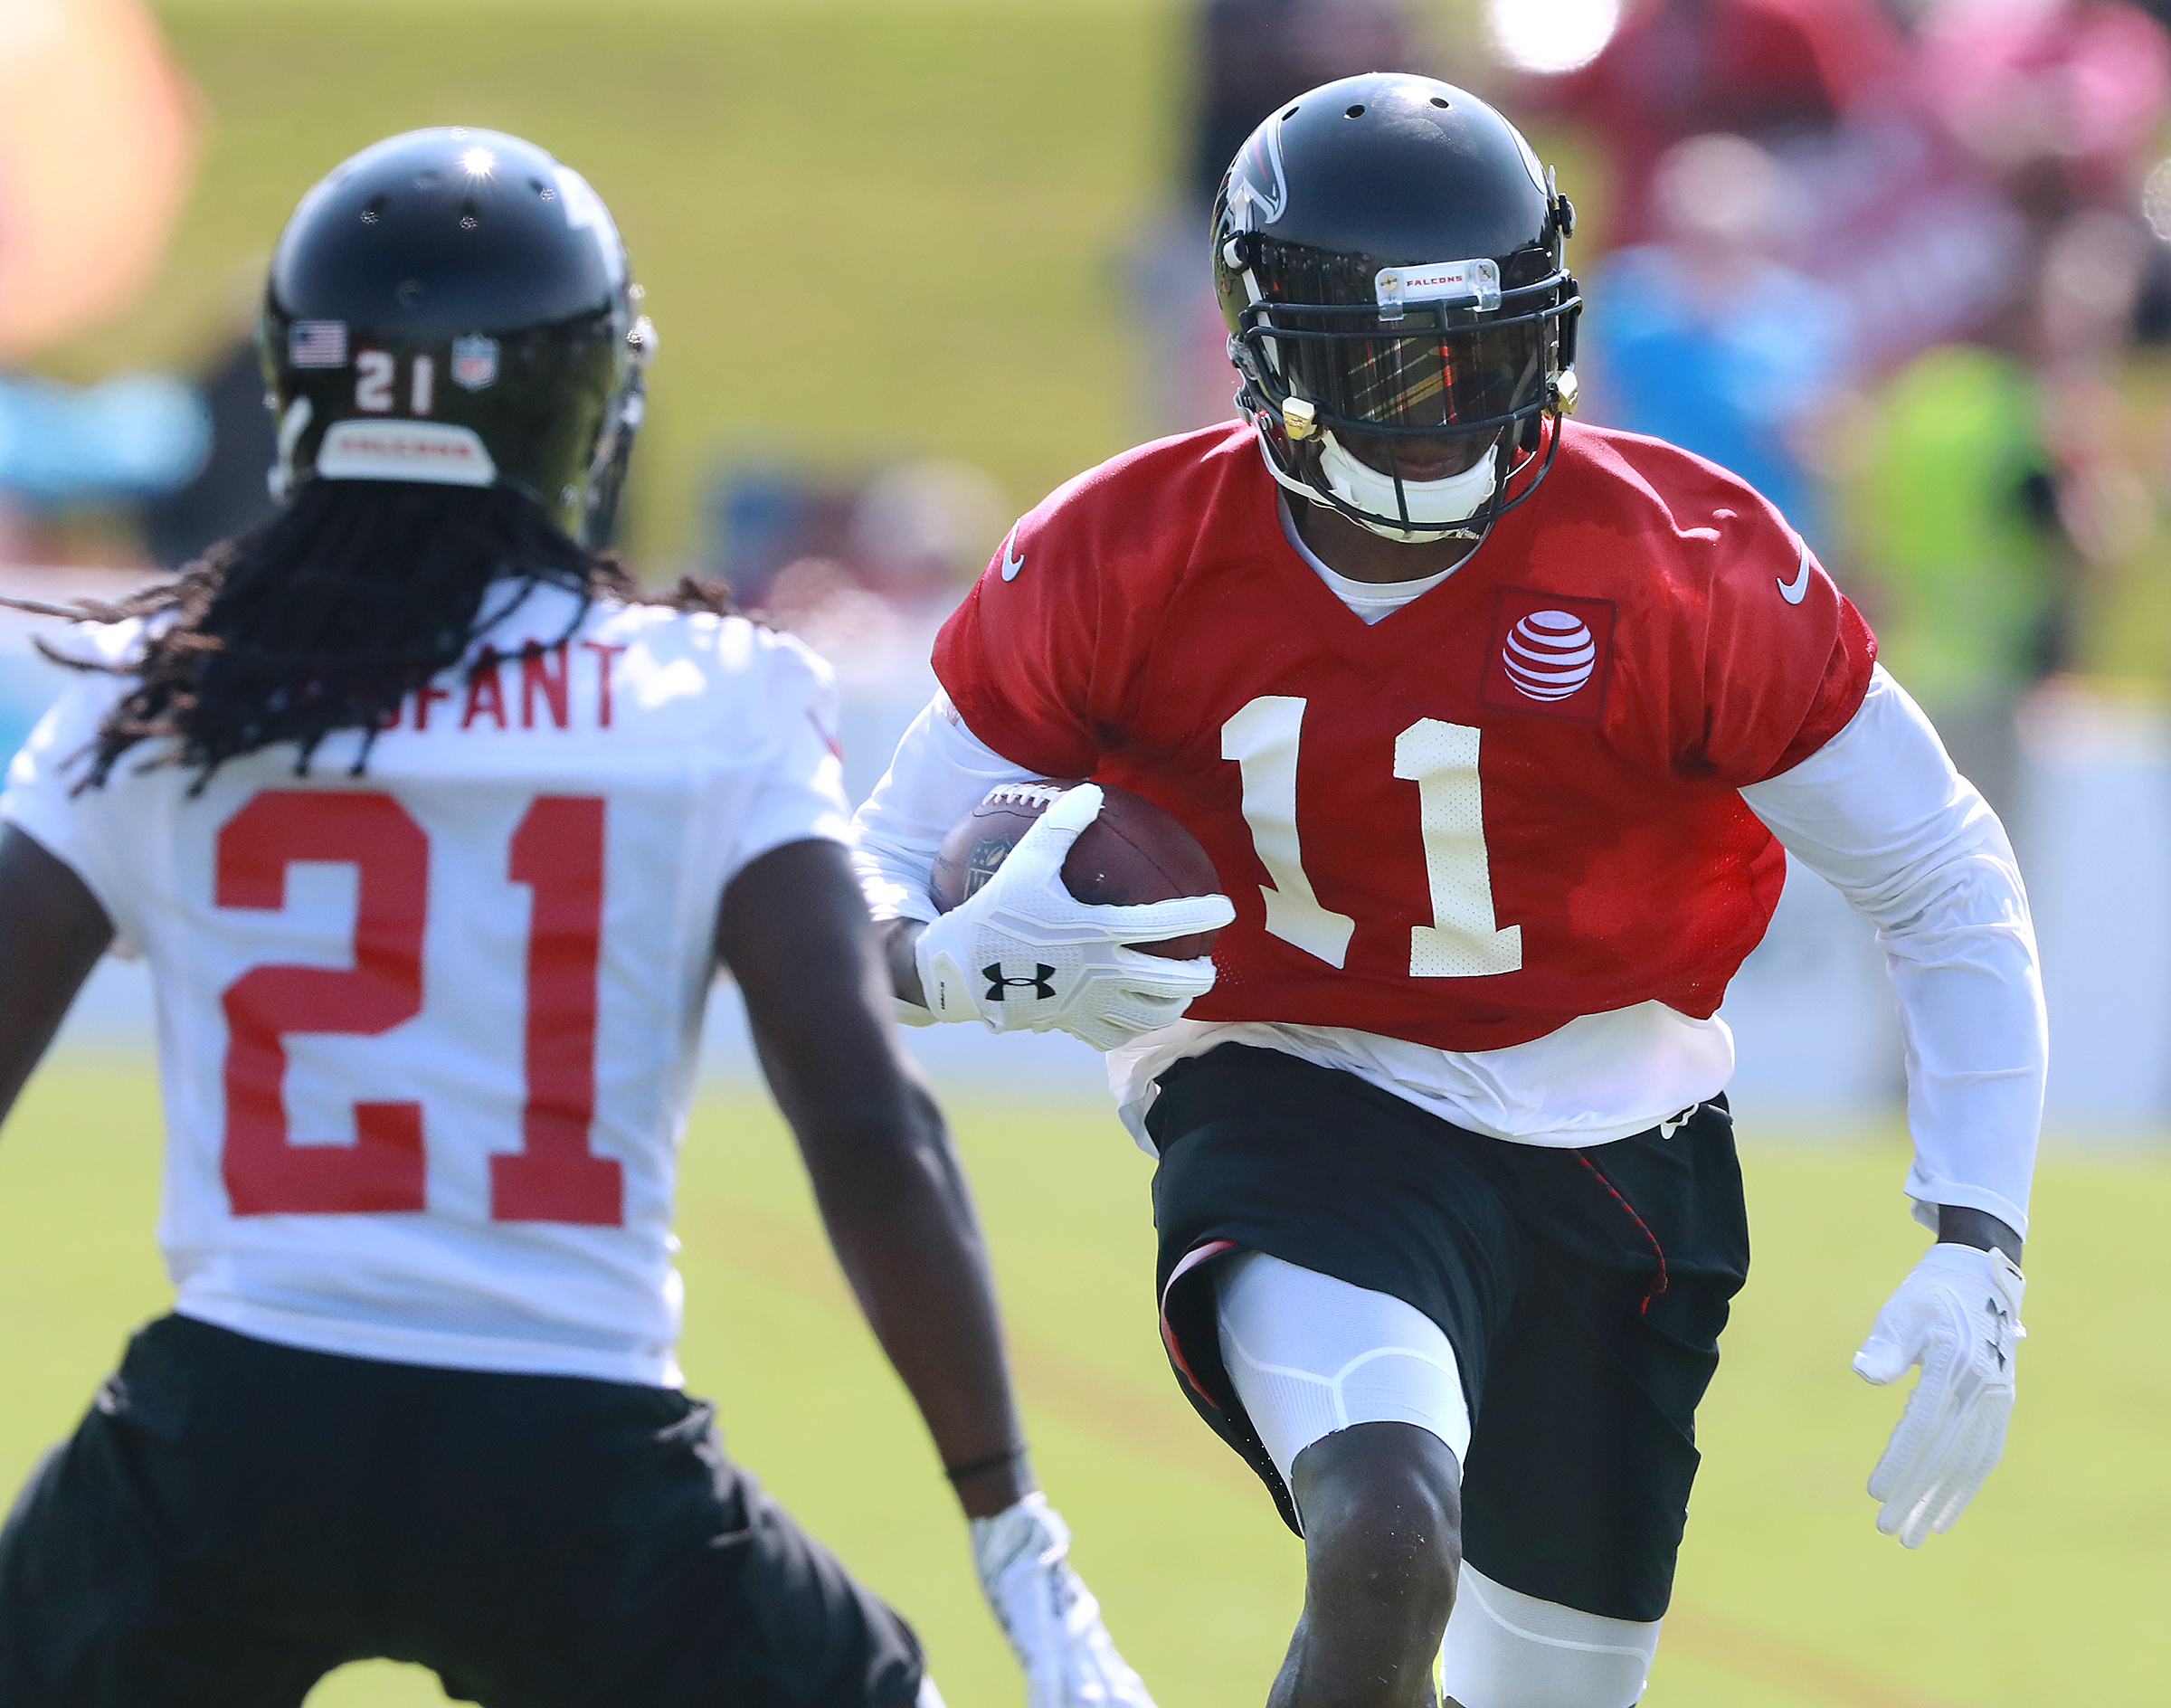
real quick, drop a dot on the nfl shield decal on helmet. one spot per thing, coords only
(474, 362)
(1549, 654)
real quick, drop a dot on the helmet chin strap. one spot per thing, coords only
(278, 478)
(1435, 509)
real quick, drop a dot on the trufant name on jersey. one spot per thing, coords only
(563, 686)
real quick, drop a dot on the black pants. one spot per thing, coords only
(1583, 1291)
(233, 1519)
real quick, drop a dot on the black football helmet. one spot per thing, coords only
(454, 307)
(1389, 256)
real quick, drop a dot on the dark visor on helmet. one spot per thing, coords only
(1437, 370)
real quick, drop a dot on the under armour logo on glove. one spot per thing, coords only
(2002, 1331)
(1043, 991)
(1086, 978)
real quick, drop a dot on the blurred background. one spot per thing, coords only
(1905, 265)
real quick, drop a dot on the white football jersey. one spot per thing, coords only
(428, 1035)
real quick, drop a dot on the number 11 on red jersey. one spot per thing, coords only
(1463, 940)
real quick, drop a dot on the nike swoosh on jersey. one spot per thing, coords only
(1792, 591)
(1012, 566)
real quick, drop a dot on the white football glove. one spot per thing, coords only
(1022, 953)
(1051, 1616)
(1956, 1314)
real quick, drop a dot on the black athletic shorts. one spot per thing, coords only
(233, 1519)
(1583, 1292)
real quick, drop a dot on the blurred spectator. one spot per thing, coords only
(1882, 206)
(97, 150)
(763, 517)
(1934, 199)
(65, 445)
(1995, 486)
(228, 495)
(132, 433)
(1955, 517)
(1902, 223)
(922, 530)
(1703, 339)
(2104, 422)
(2059, 98)
(1250, 56)
(1767, 70)
(865, 573)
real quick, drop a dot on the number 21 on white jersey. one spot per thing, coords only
(557, 854)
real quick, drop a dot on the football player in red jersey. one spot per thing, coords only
(433, 830)
(1497, 728)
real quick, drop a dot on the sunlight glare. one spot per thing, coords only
(1548, 37)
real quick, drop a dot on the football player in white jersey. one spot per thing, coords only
(433, 829)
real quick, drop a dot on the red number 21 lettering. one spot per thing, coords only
(558, 852)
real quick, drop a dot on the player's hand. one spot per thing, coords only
(1023, 954)
(1045, 1609)
(1957, 1315)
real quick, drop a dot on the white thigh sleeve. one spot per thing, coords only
(1505, 1649)
(1310, 1355)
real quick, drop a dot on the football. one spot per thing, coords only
(1132, 852)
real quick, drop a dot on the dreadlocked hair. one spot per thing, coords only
(327, 615)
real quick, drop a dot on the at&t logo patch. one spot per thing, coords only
(1549, 654)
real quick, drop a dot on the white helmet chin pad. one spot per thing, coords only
(1435, 507)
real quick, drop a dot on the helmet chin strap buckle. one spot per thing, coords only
(1300, 418)
(1566, 392)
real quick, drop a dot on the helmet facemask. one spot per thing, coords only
(1348, 396)
(1388, 255)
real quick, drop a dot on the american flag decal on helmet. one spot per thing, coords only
(316, 344)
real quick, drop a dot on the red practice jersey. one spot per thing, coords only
(1508, 803)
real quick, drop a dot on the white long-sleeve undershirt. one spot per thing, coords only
(1879, 812)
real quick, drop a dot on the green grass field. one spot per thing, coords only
(1788, 1598)
(867, 228)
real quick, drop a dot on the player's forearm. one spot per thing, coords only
(53, 932)
(939, 770)
(1976, 1072)
(900, 938)
(901, 1220)
(796, 934)
(1963, 969)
